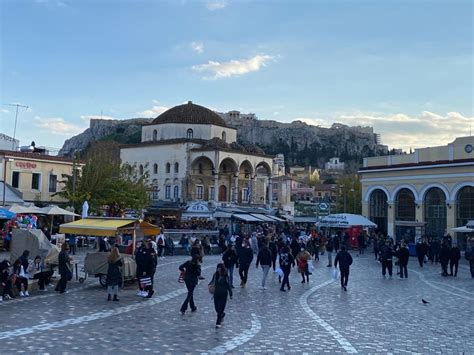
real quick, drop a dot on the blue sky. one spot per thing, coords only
(404, 67)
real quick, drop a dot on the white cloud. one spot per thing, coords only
(216, 4)
(155, 111)
(57, 125)
(407, 131)
(198, 47)
(4, 110)
(233, 67)
(96, 117)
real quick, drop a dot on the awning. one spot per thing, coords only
(262, 217)
(97, 227)
(190, 215)
(246, 217)
(145, 228)
(276, 218)
(305, 219)
(220, 214)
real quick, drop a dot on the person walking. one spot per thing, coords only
(272, 245)
(286, 261)
(403, 255)
(192, 272)
(455, 255)
(302, 261)
(386, 257)
(222, 289)
(114, 274)
(344, 259)
(146, 259)
(230, 260)
(444, 255)
(245, 255)
(329, 249)
(264, 258)
(469, 255)
(64, 268)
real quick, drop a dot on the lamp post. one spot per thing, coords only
(5, 161)
(353, 199)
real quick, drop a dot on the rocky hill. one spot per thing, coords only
(302, 144)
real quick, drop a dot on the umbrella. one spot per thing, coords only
(463, 229)
(17, 209)
(6, 214)
(56, 211)
(345, 220)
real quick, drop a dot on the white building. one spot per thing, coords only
(8, 143)
(334, 164)
(191, 154)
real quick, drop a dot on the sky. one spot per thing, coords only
(404, 67)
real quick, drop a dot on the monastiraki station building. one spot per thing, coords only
(191, 154)
(427, 192)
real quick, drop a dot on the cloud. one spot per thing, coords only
(96, 117)
(233, 67)
(57, 125)
(155, 111)
(198, 47)
(406, 131)
(216, 4)
(4, 110)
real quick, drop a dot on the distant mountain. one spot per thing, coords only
(301, 144)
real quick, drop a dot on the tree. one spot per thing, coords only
(349, 194)
(103, 182)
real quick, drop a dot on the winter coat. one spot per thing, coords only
(403, 255)
(64, 263)
(145, 260)
(192, 271)
(344, 259)
(222, 285)
(245, 256)
(264, 257)
(455, 254)
(230, 258)
(330, 246)
(444, 254)
(114, 273)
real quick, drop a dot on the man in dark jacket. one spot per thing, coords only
(454, 257)
(344, 259)
(286, 261)
(245, 255)
(469, 255)
(264, 258)
(230, 259)
(386, 257)
(444, 254)
(192, 272)
(146, 267)
(329, 249)
(403, 255)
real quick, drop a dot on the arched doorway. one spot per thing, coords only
(378, 210)
(222, 193)
(465, 211)
(405, 211)
(435, 212)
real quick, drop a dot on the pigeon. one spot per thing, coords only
(424, 301)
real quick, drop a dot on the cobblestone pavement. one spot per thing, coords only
(375, 315)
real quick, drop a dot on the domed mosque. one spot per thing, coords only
(191, 154)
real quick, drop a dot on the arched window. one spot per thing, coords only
(224, 136)
(140, 169)
(189, 133)
(168, 168)
(155, 135)
(405, 206)
(378, 210)
(435, 212)
(176, 168)
(176, 192)
(155, 168)
(200, 168)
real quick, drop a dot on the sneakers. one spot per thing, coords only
(218, 326)
(150, 294)
(22, 294)
(27, 294)
(282, 290)
(142, 293)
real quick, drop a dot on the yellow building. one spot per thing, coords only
(35, 176)
(427, 192)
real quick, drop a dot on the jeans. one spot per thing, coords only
(219, 305)
(244, 272)
(403, 271)
(286, 277)
(387, 265)
(330, 258)
(112, 290)
(453, 264)
(230, 270)
(265, 269)
(344, 277)
(189, 298)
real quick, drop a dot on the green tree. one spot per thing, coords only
(104, 183)
(350, 191)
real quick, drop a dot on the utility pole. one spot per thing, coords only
(16, 120)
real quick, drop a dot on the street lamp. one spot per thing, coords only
(5, 161)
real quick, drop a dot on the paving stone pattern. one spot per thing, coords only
(375, 315)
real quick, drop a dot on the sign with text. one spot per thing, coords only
(25, 165)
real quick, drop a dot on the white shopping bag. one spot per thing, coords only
(279, 271)
(335, 274)
(310, 267)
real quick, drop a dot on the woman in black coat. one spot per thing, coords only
(222, 288)
(114, 274)
(65, 270)
(403, 255)
(192, 272)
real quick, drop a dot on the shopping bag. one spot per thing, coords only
(279, 271)
(310, 267)
(335, 274)
(145, 281)
(212, 285)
